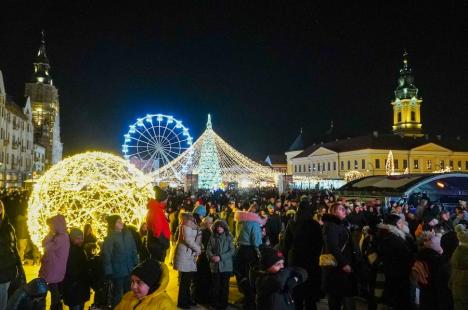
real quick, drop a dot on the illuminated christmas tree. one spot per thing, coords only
(209, 171)
(390, 165)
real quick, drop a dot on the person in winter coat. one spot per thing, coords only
(10, 261)
(75, 286)
(31, 296)
(90, 240)
(303, 245)
(273, 226)
(54, 262)
(188, 249)
(159, 234)
(459, 262)
(396, 251)
(431, 270)
(220, 251)
(202, 279)
(248, 240)
(274, 283)
(339, 280)
(149, 282)
(119, 256)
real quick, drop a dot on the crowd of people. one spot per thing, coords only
(284, 251)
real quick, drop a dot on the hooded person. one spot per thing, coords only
(274, 283)
(248, 241)
(119, 257)
(54, 261)
(459, 262)
(149, 282)
(31, 296)
(220, 252)
(159, 234)
(75, 287)
(10, 261)
(396, 250)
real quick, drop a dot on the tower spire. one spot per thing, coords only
(208, 123)
(41, 64)
(407, 104)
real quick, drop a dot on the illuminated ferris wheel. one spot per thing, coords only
(155, 140)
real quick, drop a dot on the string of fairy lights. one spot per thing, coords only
(86, 188)
(215, 162)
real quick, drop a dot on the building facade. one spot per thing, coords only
(413, 151)
(45, 108)
(16, 135)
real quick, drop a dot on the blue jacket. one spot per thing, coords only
(119, 254)
(248, 229)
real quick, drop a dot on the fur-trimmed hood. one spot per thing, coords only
(392, 229)
(245, 216)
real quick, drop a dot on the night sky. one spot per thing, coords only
(262, 71)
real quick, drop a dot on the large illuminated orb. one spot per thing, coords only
(86, 188)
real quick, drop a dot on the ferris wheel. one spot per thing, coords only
(155, 140)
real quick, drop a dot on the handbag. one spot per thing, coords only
(328, 260)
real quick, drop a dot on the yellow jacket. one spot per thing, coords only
(158, 300)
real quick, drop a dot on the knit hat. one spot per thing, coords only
(149, 272)
(392, 219)
(112, 219)
(159, 193)
(269, 257)
(76, 233)
(200, 211)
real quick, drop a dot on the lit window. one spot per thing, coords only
(355, 164)
(416, 164)
(405, 163)
(429, 165)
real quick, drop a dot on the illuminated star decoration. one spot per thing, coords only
(86, 188)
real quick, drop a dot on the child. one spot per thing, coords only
(219, 251)
(274, 283)
(149, 283)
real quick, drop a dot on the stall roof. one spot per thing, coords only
(403, 185)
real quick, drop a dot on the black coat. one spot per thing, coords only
(337, 241)
(31, 296)
(396, 252)
(436, 295)
(76, 284)
(274, 291)
(9, 258)
(273, 228)
(303, 246)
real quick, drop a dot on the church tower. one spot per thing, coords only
(407, 104)
(45, 107)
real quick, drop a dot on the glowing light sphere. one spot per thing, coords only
(86, 188)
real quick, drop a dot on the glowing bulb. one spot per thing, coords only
(86, 188)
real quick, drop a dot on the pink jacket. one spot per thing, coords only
(56, 249)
